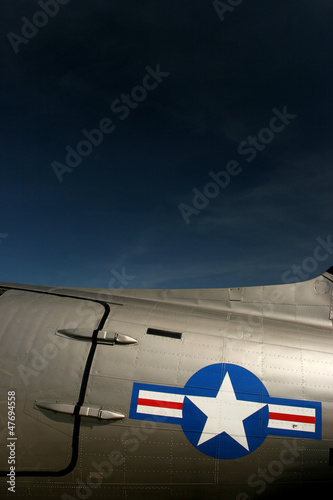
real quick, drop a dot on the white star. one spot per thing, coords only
(225, 413)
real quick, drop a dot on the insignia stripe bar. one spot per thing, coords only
(166, 405)
(295, 419)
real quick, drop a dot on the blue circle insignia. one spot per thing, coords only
(224, 412)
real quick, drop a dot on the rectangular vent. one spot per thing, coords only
(164, 333)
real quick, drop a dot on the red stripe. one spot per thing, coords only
(160, 404)
(292, 418)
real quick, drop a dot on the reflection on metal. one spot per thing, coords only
(85, 410)
(104, 336)
(75, 333)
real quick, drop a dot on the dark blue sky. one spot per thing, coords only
(178, 90)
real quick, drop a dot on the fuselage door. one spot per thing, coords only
(42, 376)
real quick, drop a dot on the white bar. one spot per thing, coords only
(162, 412)
(162, 396)
(292, 426)
(292, 410)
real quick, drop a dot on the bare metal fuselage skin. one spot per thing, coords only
(87, 375)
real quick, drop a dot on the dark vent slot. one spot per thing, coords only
(164, 333)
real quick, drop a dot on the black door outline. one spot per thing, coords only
(85, 377)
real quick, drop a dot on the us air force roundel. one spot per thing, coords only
(225, 411)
